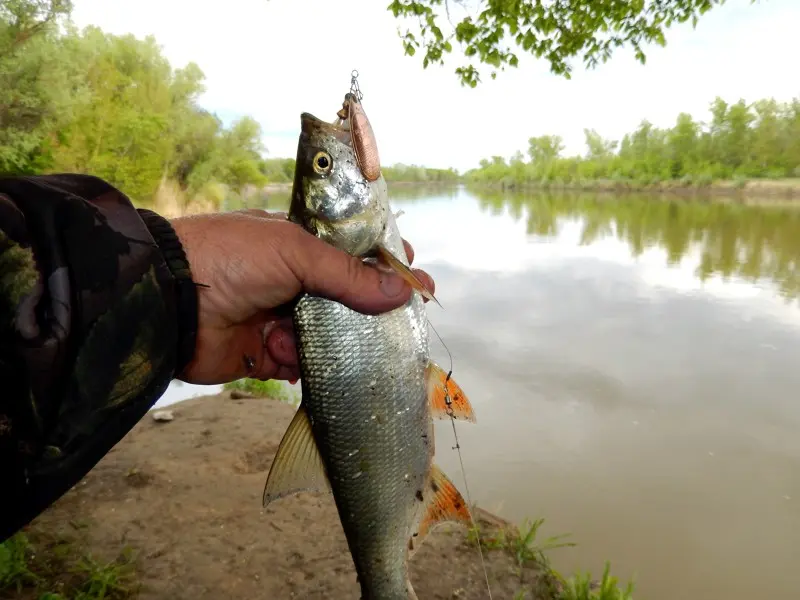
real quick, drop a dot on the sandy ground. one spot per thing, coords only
(186, 496)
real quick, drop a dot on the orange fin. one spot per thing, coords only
(443, 504)
(297, 466)
(406, 273)
(439, 388)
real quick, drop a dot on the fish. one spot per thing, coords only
(364, 429)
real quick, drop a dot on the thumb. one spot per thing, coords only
(326, 271)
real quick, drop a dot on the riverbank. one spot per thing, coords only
(180, 502)
(747, 189)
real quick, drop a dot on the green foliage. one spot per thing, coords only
(553, 31)
(759, 140)
(234, 158)
(15, 554)
(56, 571)
(104, 580)
(581, 587)
(523, 545)
(265, 389)
(278, 170)
(87, 101)
(400, 173)
(21, 20)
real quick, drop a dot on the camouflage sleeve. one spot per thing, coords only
(98, 313)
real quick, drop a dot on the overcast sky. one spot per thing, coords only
(273, 59)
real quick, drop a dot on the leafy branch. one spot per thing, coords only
(553, 30)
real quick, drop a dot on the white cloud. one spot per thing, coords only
(274, 59)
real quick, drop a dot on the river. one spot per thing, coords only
(634, 364)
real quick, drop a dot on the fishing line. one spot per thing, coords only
(449, 402)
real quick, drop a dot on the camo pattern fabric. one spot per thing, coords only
(88, 333)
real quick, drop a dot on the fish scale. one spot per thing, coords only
(364, 428)
(377, 397)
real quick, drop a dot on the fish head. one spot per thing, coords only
(332, 198)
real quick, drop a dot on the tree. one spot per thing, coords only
(91, 102)
(21, 20)
(740, 141)
(554, 30)
(597, 147)
(545, 148)
(32, 82)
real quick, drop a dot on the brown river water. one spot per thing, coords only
(634, 364)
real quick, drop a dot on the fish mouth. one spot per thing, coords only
(338, 128)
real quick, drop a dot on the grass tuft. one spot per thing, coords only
(581, 587)
(57, 570)
(272, 388)
(531, 554)
(15, 556)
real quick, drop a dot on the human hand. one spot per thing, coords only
(255, 263)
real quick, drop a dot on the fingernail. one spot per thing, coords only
(392, 284)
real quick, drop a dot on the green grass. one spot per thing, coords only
(15, 556)
(265, 389)
(56, 569)
(580, 587)
(524, 545)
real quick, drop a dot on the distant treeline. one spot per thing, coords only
(741, 141)
(282, 170)
(91, 102)
(416, 174)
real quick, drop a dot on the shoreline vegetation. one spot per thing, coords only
(740, 189)
(113, 106)
(745, 148)
(150, 511)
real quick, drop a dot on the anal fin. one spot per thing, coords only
(297, 466)
(443, 504)
(441, 387)
(406, 273)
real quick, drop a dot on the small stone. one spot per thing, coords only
(163, 415)
(240, 394)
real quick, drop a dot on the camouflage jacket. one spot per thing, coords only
(98, 313)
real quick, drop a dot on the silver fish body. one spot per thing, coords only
(367, 382)
(363, 380)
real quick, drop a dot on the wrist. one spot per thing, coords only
(186, 301)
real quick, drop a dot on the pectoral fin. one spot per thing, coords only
(443, 503)
(440, 388)
(297, 466)
(406, 273)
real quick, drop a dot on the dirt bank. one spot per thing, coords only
(185, 495)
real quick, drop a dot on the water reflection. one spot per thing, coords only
(749, 242)
(632, 362)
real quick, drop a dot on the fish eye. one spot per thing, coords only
(322, 162)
